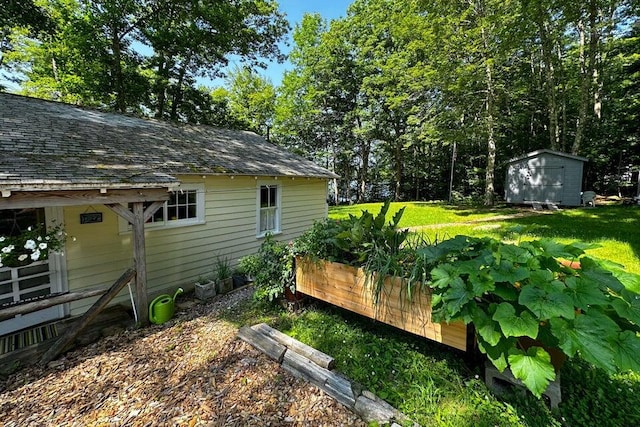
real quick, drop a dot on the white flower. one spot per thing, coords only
(35, 255)
(2, 238)
(22, 257)
(42, 246)
(39, 239)
(30, 244)
(8, 249)
(29, 228)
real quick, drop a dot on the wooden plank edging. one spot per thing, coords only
(362, 402)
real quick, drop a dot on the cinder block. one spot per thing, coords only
(497, 381)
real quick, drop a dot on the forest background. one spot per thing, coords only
(410, 100)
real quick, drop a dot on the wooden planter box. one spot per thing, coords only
(344, 286)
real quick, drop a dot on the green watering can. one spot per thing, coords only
(162, 308)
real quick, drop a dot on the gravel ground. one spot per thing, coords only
(191, 371)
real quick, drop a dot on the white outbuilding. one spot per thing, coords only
(544, 176)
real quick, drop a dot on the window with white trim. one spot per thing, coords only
(268, 209)
(184, 207)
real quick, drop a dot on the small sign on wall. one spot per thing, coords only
(90, 217)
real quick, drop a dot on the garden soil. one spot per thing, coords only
(191, 371)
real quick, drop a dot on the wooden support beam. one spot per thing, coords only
(137, 219)
(140, 259)
(65, 339)
(30, 307)
(38, 199)
(121, 211)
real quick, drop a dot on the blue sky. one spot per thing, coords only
(295, 9)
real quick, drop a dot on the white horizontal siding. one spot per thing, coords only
(97, 254)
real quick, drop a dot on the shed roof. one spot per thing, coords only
(48, 145)
(546, 151)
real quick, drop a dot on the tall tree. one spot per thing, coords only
(194, 39)
(252, 100)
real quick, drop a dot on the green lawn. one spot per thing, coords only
(616, 229)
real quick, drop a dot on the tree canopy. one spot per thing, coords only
(403, 99)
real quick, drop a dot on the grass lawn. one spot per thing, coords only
(616, 229)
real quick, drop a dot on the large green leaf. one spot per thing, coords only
(533, 368)
(628, 306)
(508, 272)
(506, 291)
(455, 298)
(627, 351)
(486, 327)
(547, 305)
(590, 334)
(444, 275)
(557, 250)
(591, 270)
(513, 325)
(481, 283)
(515, 254)
(585, 293)
(540, 277)
(496, 353)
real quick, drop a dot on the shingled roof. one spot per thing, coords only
(50, 145)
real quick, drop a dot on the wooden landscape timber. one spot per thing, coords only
(293, 359)
(346, 287)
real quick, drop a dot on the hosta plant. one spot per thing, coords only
(512, 293)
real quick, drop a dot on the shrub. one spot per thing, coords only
(271, 268)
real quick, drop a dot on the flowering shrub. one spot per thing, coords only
(32, 245)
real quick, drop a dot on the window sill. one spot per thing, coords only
(273, 233)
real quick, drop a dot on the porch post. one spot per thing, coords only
(139, 255)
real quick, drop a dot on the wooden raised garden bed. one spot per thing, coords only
(344, 286)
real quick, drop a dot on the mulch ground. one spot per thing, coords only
(191, 371)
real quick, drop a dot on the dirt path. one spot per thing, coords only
(192, 371)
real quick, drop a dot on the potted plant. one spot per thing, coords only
(205, 288)
(223, 275)
(239, 277)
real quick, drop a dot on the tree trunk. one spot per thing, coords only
(161, 87)
(550, 78)
(588, 75)
(364, 170)
(121, 104)
(491, 142)
(178, 93)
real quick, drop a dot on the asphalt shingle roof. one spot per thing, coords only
(50, 145)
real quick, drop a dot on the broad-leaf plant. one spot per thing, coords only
(513, 294)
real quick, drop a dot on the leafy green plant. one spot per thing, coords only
(223, 268)
(513, 292)
(271, 268)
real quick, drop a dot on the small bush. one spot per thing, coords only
(271, 269)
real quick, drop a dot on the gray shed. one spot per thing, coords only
(544, 176)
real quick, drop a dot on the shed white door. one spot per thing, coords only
(32, 281)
